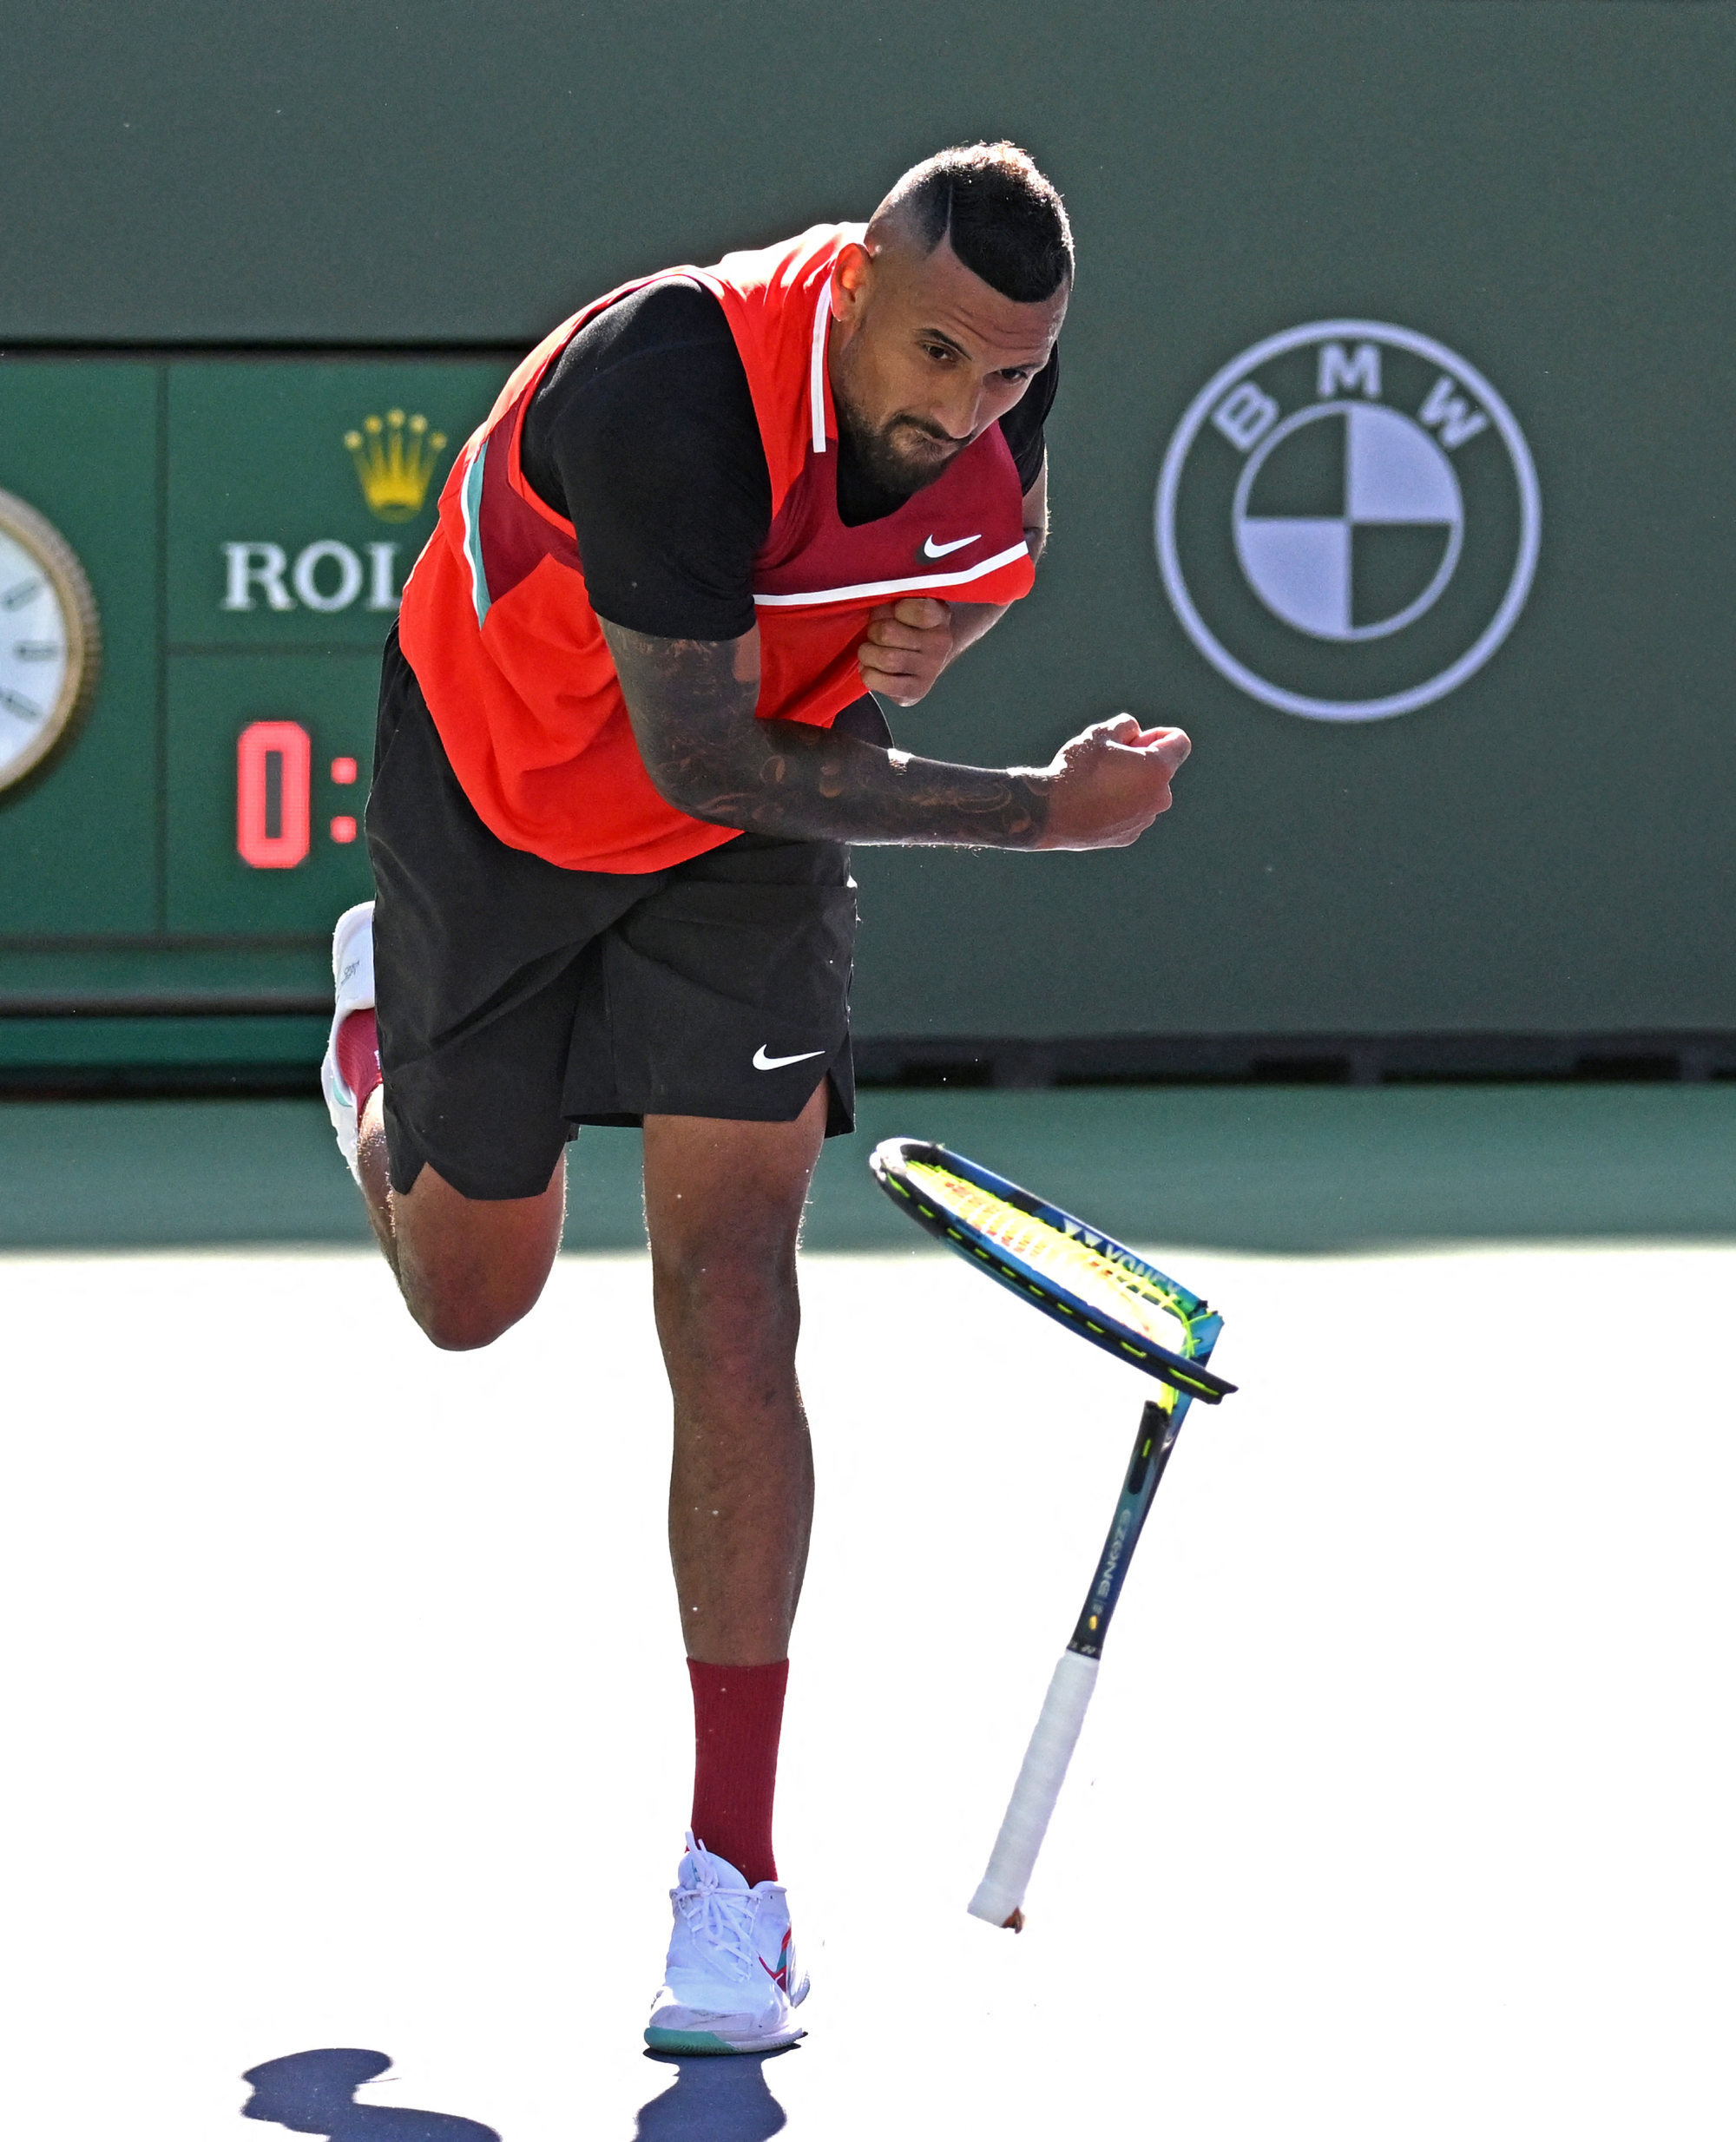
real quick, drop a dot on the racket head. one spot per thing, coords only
(1071, 1271)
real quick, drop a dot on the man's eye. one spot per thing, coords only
(939, 352)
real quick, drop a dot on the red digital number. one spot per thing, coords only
(273, 792)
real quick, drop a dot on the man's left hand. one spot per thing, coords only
(909, 644)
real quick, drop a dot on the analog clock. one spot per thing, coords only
(50, 643)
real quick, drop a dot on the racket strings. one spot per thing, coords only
(1089, 1277)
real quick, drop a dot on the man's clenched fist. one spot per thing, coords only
(1106, 784)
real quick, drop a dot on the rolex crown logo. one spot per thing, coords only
(395, 457)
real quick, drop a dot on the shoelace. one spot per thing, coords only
(722, 1917)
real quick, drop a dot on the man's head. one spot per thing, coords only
(946, 311)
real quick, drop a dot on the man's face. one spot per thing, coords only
(924, 357)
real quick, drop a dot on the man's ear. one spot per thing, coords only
(850, 277)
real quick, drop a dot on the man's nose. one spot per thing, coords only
(956, 414)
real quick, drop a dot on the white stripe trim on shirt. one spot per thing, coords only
(817, 367)
(918, 584)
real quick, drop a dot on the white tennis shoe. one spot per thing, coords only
(353, 977)
(731, 1982)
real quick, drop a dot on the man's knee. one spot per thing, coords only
(469, 1269)
(743, 1250)
(736, 1281)
(458, 1323)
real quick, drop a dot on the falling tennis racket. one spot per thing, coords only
(1100, 1289)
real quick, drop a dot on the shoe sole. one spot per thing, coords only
(348, 927)
(338, 1098)
(708, 2042)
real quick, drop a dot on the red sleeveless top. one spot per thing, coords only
(498, 627)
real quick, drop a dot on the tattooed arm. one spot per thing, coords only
(692, 705)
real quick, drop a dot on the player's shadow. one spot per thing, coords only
(315, 2094)
(721, 2098)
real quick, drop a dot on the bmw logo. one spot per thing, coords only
(1348, 521)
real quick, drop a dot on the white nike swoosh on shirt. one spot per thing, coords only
(932, 549)
(763, 1063)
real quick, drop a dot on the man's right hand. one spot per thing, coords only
(693, 704)
(1105, 785)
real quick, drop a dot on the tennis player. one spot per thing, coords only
(626, 738)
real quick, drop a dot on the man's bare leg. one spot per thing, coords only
(723, 1202)
(468, 1268)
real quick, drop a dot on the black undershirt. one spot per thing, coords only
(642, 434)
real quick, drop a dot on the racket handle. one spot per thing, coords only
(1001, 1890)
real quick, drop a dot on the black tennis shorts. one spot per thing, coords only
(517, 999)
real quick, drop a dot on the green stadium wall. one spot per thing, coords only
(236, 235)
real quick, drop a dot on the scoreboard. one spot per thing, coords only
(181, 790)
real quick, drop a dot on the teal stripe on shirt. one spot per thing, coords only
(471, 502)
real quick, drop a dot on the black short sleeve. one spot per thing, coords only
(1022, 425)
(643, 435)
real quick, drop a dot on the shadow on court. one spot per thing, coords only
(714, 2100)
(1288, 1169)
(315, 2093)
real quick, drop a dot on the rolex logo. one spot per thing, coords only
(395, 459)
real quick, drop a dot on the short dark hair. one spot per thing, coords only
(1006, 221)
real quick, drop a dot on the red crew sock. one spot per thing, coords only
(359, 1056)
(738, 1715)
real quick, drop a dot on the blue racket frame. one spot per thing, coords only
(1186, 1373)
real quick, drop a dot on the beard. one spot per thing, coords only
(902, 456)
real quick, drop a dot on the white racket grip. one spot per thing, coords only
(1001, 1890)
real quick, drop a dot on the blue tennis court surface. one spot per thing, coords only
(347, 1708)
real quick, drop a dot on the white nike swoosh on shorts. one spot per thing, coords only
(763, 1063)
(932, 549)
